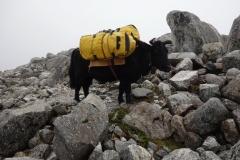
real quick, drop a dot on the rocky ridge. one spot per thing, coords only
(196, 106)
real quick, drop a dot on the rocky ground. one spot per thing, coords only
(193, 112)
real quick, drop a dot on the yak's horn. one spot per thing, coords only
(167, 42)
(151, 41)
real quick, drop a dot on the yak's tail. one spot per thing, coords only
(71, 71)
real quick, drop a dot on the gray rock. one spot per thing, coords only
(109, 145)
(210, 144)
(232, 73)
(142, 92)
(207, 91)
(231, 60)
(213, 50)
(214, 79)
(26, 73)
(190, 33)
(111, 128)
(47, 135)
(207, 118)
(36, 140)
(196, 102)
(178, 126)
(183, 153)
(121, 146)
(77, 133)
(230, 131)
(164, 89)
(231, 91)
(230, 105)
(152, 146)
(193, 140)
(60, 109)
(50, 56)
(233, 40)
(182, 80)
(32, 81)
(179, 104)
(224, 39)
(225, 155)
(147, 84)
(185, 64)
(41, 151)
(235, 151)
(19, 90)
(43, 93)
(162, 75)
(118, 131)
(97, 153)
(151, 119)
(175, 58)
(161, 153)
(44, 75)
(136, 152)
(8, 104)
(21, 125)
(110, 155)
(236, 116)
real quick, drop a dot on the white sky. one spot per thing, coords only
(33, 28)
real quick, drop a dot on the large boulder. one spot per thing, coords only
(231, 91)
(207, 118)
(77, 133)
(231, 60)
(18, 126)
(151, 119)
(233, 41)
(190, 33)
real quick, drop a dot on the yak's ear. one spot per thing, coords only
(151, 41)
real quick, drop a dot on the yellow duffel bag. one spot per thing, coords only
(107, 45)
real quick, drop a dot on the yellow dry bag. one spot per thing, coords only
(107, 45)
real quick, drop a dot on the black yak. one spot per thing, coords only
(138, 64)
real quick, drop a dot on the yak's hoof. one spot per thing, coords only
(119, 102)
(129, 102)
(78, 100)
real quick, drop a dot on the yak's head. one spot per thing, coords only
(159, 55)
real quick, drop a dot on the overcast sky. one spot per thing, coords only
(33, 28)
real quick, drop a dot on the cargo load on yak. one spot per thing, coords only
(106, 45)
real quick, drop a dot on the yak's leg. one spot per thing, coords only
(128, 93)
(87, 84)
(77, 89)
(120, 93)
(86, 90)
